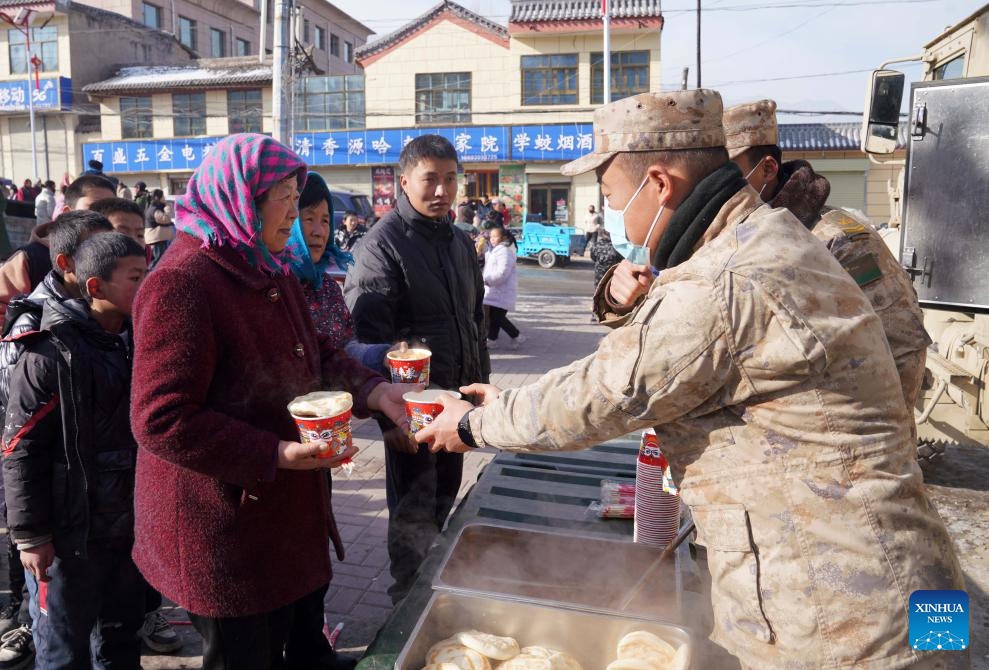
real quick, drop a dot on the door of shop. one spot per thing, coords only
(549, 203)
(481, 183)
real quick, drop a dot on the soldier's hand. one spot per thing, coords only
(487, 393)
(442, 432)
(398, 440)
(629, 282)
(305, 455)
(37, 560)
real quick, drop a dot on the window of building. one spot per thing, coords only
(135, 116)
(243, 46)
(177, 185)
(44, 41)
(629, 75)
(320, 40)
(217, 43)
(348, 52)
(153, 16)
(443, 98)
(244, 110)
(189, 114)
(330, 103)
(305, 30)
(334, 45)
(187, 32)
(953, 69)
(549, 80)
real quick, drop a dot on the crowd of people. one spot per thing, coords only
(148, 448)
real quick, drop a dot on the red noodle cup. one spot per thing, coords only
(325, 415)
(423, 406)
(409, 367)
(649, 452)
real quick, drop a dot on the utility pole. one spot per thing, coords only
(606, 56)
(281, 72)
(698, 43)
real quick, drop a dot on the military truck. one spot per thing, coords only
(941, 203)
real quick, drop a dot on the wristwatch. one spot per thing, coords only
(464, 432)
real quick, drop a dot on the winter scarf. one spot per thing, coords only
(802, 191)
(695, 214)
(219, 206)
(303, 266)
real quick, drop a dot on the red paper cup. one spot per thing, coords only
(333, 429)
(422, 407)
(411, 367)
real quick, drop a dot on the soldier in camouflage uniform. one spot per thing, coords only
(765, 373)
(752, 140)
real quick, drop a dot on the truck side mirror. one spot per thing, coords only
(881, 123)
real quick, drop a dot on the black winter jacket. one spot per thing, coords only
(24, 316)
(69, 454)
(417, 279)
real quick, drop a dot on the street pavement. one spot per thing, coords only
(553, 313)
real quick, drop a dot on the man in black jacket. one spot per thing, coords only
(69, 464)
(416, 279)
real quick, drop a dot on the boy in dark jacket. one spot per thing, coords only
(24, 316)
(68, 468)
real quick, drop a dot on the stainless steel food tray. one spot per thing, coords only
(562, 570)
(589, 637)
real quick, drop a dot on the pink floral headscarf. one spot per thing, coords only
(219, 204)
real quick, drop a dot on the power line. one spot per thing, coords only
(797, 76)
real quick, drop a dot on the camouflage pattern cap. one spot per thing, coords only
(653, 122)
(750, 125)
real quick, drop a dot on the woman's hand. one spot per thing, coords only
(486, 393)
(305, 456)
(387, 399)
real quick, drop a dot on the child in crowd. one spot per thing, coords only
(69, 465)
(125, 215)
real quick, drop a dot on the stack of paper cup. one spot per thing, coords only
(657, 513)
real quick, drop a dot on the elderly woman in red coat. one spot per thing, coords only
(233, 521)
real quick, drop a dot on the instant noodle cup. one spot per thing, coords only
(423, 406)
(325, 415)
(410, 366)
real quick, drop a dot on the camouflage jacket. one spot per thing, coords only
(865, 256)
(764, 371)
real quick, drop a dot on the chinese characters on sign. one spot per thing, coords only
(48, 94)
(494, 144)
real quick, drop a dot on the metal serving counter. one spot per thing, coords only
(543, 492)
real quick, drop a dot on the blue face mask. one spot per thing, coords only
(614, 223)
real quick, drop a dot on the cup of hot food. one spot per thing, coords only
(325, 415)
(423, 406)
(409, 366)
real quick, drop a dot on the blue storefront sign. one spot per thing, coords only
(149, 155)
(474, 144)
(48, 94)
(554, 142)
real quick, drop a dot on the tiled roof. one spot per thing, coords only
(206, 73)
(414, 25)
(827, 136)
(528, 11)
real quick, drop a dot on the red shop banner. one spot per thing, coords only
(383, 190)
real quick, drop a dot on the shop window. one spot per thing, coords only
(443, 98)
(135, 117)
(189, 114)
(549, 80)
(629, 75)
(549, 203)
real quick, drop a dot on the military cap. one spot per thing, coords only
(750, 125)
(653, 122)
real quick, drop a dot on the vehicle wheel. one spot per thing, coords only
(546, 258)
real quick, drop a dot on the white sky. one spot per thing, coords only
(760, 42)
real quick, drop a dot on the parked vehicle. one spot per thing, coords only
(550, 245)
(344, 201)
